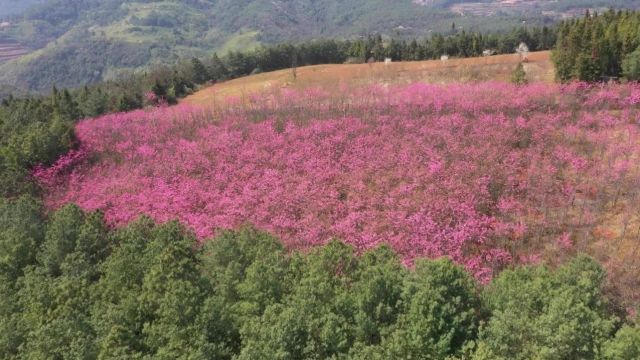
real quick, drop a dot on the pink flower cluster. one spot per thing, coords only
(480, 173)
(50, 176)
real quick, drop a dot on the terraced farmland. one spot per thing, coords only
(11, 50)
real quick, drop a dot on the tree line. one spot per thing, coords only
(599, 47)
(457, 43)
(72, 288)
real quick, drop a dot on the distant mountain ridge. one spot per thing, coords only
(14, 7)
(74, 42)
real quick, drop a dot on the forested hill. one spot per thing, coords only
(75, 42)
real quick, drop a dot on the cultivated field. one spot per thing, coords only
(11, 50)
(493, 68)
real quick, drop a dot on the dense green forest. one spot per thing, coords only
(598, 47)
(71, 288)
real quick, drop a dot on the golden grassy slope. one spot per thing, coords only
(500, 67)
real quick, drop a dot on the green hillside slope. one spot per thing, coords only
(74, 42)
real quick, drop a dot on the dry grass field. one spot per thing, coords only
(497, 68)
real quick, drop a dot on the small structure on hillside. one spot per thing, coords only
(444, 57)
(5, 25)
(523, 51)
(387, 61)
(489, 52)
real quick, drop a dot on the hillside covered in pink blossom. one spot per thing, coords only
(488, 174)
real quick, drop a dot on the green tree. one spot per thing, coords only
(217, 69)
(12, 329)
(60, 238)
(247, 271)
(314, 322)
(519, 76)
(21, 233)
(127, 102)
(55, 313)
(377, 294)
(116, 313)
(588, 48)
(93, 102)
(171, 296)
(200, 72)
(537, 314)
(159, 89)
(631, 65)
(587, 68)
(440, 313)
(625, 345)
(56, 297)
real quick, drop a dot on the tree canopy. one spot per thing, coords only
(72, 288)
